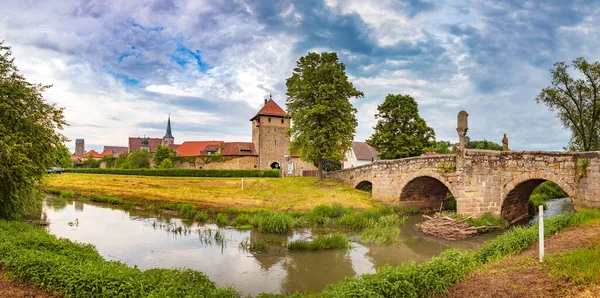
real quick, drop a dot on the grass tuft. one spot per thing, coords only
(334, 241)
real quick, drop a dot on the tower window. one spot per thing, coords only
(281, 120)
(269, 119)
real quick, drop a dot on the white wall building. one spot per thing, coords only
(360, 154)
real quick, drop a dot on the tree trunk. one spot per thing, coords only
(320, 169)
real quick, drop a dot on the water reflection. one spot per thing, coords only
(139, 238)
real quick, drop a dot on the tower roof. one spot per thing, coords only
(168, 135)
(271, 108)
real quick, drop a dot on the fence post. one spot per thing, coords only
(541, 222)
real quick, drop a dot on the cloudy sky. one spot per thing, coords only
(120, 67)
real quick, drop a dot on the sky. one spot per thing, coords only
(119, 68)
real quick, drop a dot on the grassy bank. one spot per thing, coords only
(77, 270)
(435, 276)
(175, 172)
(277, 194)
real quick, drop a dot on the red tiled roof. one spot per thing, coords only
(93, 154)
(192, 148)
(213, 149)
(174, 146)
(271, 108)
(107, 153)
(136, 143)
(238, 148)
(363, 151)
(431, 153)
(116, 149)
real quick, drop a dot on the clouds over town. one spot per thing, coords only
(120, 67)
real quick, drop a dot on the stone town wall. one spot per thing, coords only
(230, 163)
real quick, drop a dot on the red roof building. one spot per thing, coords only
(193, 148)
(136, 143)
(93, 154)
(239, 149)
(271, 108)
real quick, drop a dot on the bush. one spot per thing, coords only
(176, 172)
(335, 241)
(273, 222)
(222, 219)
(201, 216)
(67, 194)
(77, 270)
(166, 164)
(188, 211)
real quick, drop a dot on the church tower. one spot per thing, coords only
(168, 139)
(269, 128)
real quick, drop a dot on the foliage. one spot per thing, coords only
(109, 161)
(222, 219)
(28, 139)
(446, 167)
(273, 222)
(139, 159)
(161, 153)
(61, 157)
(400, 131)
(90, 162)
(166, 164)
(581, 266)
(177, 172)
(67, 194)
(442, 147)
(582, 165)
(545, 191)
(72, 269)
(485, 145)
(384, 235)
(334, 241)
(576, 100)
(487, 219)
(323, 119)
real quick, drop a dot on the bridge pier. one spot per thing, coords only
(498, 182)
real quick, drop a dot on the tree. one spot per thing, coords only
(90, 162)
(577, 102)
(442, 147)
(161, 153)
(137, 160)
(400, 131)
(166, 164)
(61, 157)
(318, 102)
(28, 137)
(485, 144)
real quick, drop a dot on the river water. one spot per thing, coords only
(147, 241)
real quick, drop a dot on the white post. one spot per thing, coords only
(242, 183)
(541, 222)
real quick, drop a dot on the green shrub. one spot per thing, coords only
(334, 241)
(241, 220)
(176, 172)
(188, 211)
(273, 222)
(67, 194)
(222, 219)
(487, 219)
(201, 216)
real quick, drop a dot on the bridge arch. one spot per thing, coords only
(365, 185)
(515, 196)
(427, 190)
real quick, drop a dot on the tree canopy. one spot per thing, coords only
(318, 102)
(62, 157)
(576, 100)
(400, 131)
(161, 153)
(485, 144)
(29, 139)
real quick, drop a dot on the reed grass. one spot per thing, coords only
(334, 241)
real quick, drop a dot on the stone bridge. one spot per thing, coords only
(499, 182)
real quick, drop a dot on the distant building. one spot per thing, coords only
(360, 154)
(79, 147)
(116, 150)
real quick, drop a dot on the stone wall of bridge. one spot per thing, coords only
(481, 180)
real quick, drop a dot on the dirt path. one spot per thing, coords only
(17, 289)
(522, 275)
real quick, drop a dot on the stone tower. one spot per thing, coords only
(79, 147)
(269, 128)
(168, 139)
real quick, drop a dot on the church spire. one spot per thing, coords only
(169, 135)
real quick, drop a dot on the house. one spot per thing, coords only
(360, 154)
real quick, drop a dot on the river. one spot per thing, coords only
(141, 239)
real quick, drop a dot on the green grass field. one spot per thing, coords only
(277, 194)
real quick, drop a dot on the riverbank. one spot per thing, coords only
(17, 289)
(274, 194)
(522, 275)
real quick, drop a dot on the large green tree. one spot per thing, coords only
(28, 139)
(576, 100)
(161, 153)
(318, 102)
(62, 157)
(400, 131)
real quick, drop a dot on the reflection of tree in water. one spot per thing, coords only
(56, 203)
(78, 206)
(311, 271)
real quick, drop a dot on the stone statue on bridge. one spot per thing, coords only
(462, 127)
(505, 143)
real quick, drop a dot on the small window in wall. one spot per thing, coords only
(281, 120)
(269, 119)
(275, 142)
